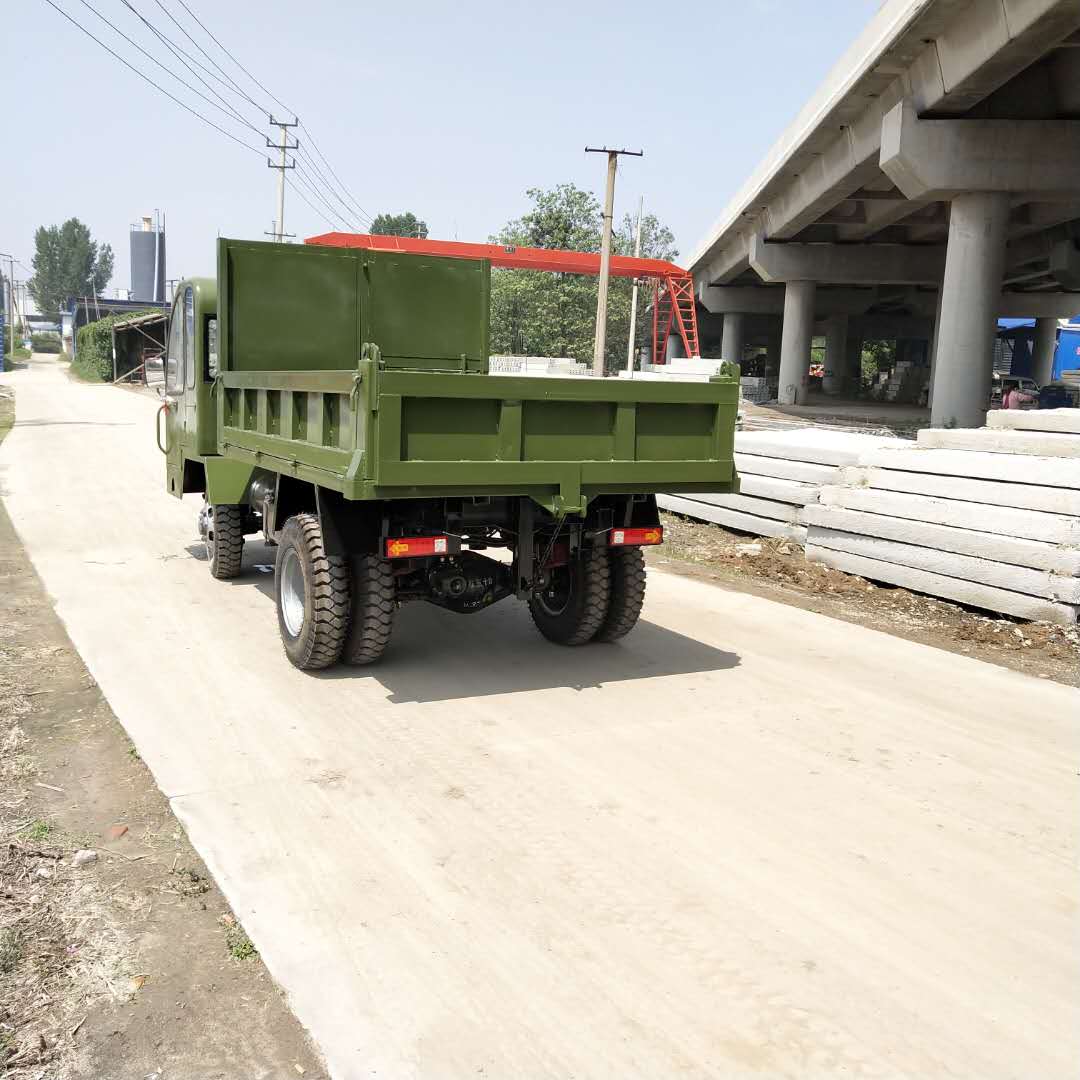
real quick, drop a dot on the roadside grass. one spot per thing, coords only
(236, 940)
(37, 830)
(7, 410)
(86, 367)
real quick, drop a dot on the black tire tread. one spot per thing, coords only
(627, 593)
(373, 606)
(228, 525)
(596, 585)
(329, 595)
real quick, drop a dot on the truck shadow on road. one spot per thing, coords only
(435, 655)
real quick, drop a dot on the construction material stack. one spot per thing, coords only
(988, 517)
(780, 475)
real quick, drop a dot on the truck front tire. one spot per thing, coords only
(373, 604)
(311, 589)
(573, 606)
(627, 593)
(224, 540)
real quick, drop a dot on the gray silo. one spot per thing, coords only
(148, 261)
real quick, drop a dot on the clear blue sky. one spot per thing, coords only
(450, 110)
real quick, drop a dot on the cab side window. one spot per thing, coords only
(174, 355)
(189, 337)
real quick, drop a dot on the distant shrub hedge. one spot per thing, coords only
(93, 347)
(45, 343)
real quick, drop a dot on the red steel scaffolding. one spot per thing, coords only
(674, 311)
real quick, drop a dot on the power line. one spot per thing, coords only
(355, 206)
(146, 78)
(315, 186)
(363, 213)
(332, 224)
(228, 79)
(187, 60)
(330, 187)
(305, 178)
(150, 56)
(277, 101)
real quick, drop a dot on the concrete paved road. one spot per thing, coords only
(749, 842)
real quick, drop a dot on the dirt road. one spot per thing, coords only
(751, 841)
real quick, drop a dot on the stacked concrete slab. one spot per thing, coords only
(988, 517)
(557, 367)
(781, 473)
(677, 369)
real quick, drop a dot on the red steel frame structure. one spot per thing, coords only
(674, 310)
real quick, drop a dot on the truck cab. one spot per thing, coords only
(187, 415)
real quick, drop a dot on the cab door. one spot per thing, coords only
(174, 407)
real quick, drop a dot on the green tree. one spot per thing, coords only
(406, 224)
(67, 263)
(536, 313)
(876, 356)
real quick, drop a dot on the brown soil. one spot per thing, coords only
(778, 570)
(131, 966)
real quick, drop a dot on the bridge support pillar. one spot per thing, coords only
(974, 264)
(734, 336)
(795, 341)
(835, 379)
(1045, 347)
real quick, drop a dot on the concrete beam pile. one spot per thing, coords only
(988, 517)
(781, 474)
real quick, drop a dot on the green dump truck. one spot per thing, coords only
(338, 402)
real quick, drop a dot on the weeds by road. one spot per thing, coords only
(777, 569)
(7, 410)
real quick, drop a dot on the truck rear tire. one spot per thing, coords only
(627, 593)
(574, 605)
(311, 589)
(224, 540)
(373, 604)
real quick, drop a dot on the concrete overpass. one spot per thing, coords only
(931, 185)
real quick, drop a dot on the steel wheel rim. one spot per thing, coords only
(209, 541)
(293, 593)
(555, 599)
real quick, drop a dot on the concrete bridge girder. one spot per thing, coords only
(938, 159)
(761, 300)
(842, 264)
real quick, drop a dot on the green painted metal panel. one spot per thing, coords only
(569, 430)
(429, 312)
(668, 431)
(288, 308)
(443, 429)
(227, 480)
(364, 371)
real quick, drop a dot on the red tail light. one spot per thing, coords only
(654, 534)
(411, 547)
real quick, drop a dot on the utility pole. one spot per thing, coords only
(10, 312)
(283, 145)
(633, 299)
(605, 252)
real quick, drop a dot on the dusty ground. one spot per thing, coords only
(133, 966)
(747, 841)
(874, 417)
(777, 569)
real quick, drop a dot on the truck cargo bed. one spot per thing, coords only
(383, 434)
